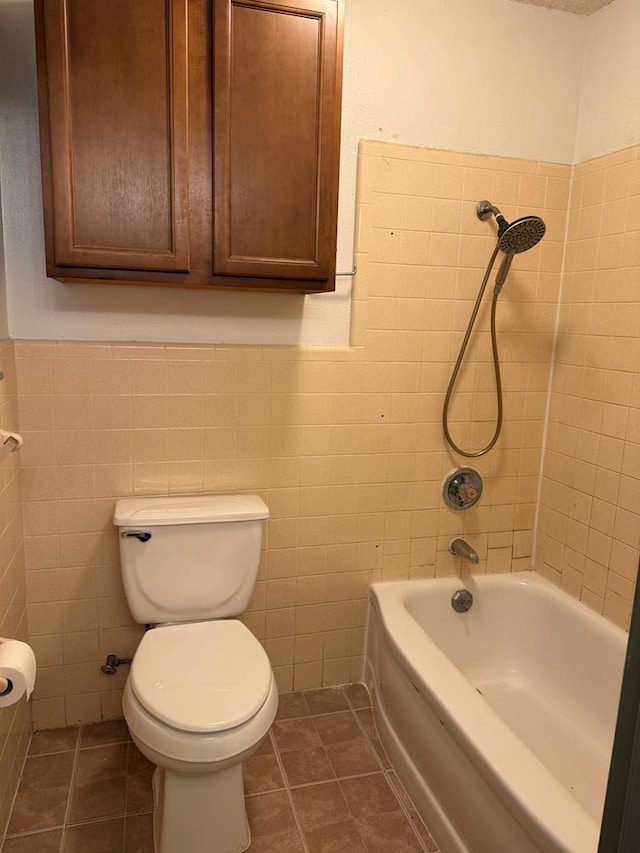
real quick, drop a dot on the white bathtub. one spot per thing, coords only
(500, 720)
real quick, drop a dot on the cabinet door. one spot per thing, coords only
(276, 137)
(114, 117)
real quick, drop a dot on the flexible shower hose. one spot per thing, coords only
(496, 363)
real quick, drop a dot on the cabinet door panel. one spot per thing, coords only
(276, 138)
(118, 132)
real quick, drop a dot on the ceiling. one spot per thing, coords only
(580, 7)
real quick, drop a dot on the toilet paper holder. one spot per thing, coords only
(9, 442)
(17, 671)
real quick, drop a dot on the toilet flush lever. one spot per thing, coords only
(142, 535)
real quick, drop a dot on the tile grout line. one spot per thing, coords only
(329, 781)
(380, 764)
(368, 740)
(405, 811)
(287, 788)
(338, 779)
(106, 818)
(396, 787)
(126, 796)
(72, 781)
(385, 773)
(15, 793)
(27, 833)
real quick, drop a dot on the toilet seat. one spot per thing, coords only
(190, 752)
(201, 677)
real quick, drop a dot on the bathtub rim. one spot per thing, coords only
(513, 771)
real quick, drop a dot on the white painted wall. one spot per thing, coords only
(4, 320)
(496, 77)
(8, 119)
(609, 117)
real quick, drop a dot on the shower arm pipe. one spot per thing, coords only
(485, 209)
(458, 365)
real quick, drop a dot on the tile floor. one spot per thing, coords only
(320, 783)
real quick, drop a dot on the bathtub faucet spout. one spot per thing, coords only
(461, 549)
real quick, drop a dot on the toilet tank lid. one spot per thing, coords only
(189, 509)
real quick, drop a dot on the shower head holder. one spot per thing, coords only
(485, 209)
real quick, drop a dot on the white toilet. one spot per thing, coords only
(201, 695)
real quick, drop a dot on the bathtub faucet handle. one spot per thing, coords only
(461, 600)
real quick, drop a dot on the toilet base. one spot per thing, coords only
(200, 814)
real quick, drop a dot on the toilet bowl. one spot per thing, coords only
(200, 698)
(201, 695)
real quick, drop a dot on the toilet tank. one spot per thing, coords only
(189, 557)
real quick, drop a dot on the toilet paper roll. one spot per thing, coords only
(17, 671)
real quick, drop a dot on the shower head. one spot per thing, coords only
(515, 237)
(521, 234)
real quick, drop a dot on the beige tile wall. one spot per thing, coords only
(15, 721)
(345, 445)
(589, 532)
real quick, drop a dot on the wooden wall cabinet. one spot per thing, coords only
(191, 143)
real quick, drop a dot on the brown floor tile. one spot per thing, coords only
(365, 716)
(388, 831)
(54, 740)
(369, 795)
(320, 805)
(136, 761)
(266, 747)
(101, 799)
(352, 758)
(379, 750)
(337, 728)
(337, 838)
(100, 734)
(415, 818)
(43, 842)
(262, 773)
(138, 834)
(305, 766)
(103, 836)
(41, 771)
(366, 720)
(317, 737)
(295, 735)
(270, 814)
(100, 783)
(103, 762)
(427, 841)
(292, 705)
(281, 842)
(326, 701)
(41, 801)
(139, 794)
(357, 695)
(139, 787)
